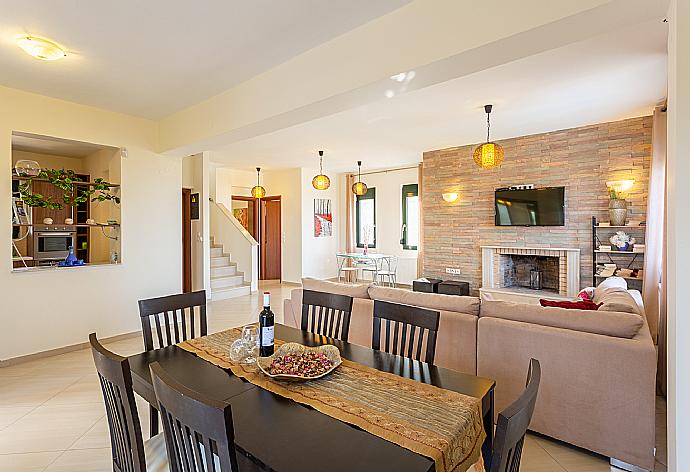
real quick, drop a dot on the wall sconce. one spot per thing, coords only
(450, 197)
(620, 185)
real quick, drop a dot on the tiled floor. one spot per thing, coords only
(52, 417)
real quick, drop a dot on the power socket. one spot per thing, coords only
(452, 271)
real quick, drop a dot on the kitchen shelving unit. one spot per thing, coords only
(630, 258)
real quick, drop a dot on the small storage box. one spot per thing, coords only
(425, 285)
(452, 287)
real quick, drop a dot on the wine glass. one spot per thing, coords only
(245, 349)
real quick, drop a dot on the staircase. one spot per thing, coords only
(226, 281)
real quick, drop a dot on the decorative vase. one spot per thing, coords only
(71, 259)
(622, 248)
(618, 211)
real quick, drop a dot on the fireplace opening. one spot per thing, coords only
(517, 271)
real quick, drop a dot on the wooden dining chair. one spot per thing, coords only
(199, 432)
(397, 320)
(327, 314)
(512, 425)
(129, 451)
(174, 318)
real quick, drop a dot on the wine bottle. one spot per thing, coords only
(266, 328)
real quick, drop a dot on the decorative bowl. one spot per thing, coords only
(330, 351)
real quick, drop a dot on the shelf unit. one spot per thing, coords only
(596, 242)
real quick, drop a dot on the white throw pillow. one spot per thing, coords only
(613, 282)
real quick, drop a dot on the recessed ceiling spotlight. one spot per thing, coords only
(41, 48)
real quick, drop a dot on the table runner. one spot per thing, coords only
(441, 424)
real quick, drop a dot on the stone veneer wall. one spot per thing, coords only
(581, 159)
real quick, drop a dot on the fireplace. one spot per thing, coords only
(510, 268)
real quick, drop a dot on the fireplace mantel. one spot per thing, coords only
(569, 265)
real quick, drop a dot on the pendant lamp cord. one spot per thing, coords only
(488, 125)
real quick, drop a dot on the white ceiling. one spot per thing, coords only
(151, 58)
(55, 146)
(607, 78)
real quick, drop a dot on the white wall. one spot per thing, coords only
(388, 218)
(53, 308)
(196, 176)
(226, 182)
(678, 227)
(318, 254)
(287, 183)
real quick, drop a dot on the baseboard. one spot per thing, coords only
(65, 349)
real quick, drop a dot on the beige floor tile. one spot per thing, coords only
(574, 459)
(85, 390)
(9, 415)
(31, 462)
(97, 437)
(91, 460)
(33, 391)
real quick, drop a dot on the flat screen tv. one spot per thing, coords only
(530, 207)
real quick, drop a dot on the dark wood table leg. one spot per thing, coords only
(488, 446)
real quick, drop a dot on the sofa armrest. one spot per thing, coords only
(596, 392)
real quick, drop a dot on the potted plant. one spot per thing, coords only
(618, 208)
(621, 241)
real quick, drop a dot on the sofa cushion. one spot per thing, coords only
(615, 298)
(620, 325)
(433, 301)
(355, 291)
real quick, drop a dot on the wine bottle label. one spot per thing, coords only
(267, 336)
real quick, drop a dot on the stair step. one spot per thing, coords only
(220, 261)
(224, 271)
(231, 292)
(228, 281)
(216, 251)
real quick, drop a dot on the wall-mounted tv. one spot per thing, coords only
(530, 207)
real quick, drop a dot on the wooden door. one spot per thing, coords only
(186, 240)
(270, 239)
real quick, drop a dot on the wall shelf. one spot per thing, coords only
(611, 254)
(85, 183)
(97, 225)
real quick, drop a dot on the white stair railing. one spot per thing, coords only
(244, 249)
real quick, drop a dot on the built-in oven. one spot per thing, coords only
(52, 242)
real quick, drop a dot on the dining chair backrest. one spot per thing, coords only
(327, 314)
(396, 320)
(175, 318)
(512, 425)
(392, 264)
(199, 434)
(126, 442)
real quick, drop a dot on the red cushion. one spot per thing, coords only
(578, 305)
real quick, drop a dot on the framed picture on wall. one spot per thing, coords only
(323, 218)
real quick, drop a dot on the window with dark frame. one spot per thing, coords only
(365, 216)
(410, 216)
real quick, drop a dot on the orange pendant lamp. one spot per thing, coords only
(488, 155)
(321, 181)
(258, 191)
(359, 187)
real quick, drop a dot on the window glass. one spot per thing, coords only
(366, 218)
(410, 216)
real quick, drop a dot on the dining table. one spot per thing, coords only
(282, 435)
(372, 259)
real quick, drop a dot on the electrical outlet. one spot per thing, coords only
(452, 271)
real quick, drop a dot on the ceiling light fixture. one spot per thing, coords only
(359, 187)
(41, 48)
(321, 181)
(489, 154)
(258, 191)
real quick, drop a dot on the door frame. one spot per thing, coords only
(186, 240)
(255, 204)
(262, 227)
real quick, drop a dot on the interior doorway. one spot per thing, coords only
(271, 240)
(186, 240)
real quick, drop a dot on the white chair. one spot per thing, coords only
(391, 273)
(346, 272)
(372, 267)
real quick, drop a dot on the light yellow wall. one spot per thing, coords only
(104, 164)
(50, 161)
(50, 309)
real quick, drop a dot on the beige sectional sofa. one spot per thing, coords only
(598, 367)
